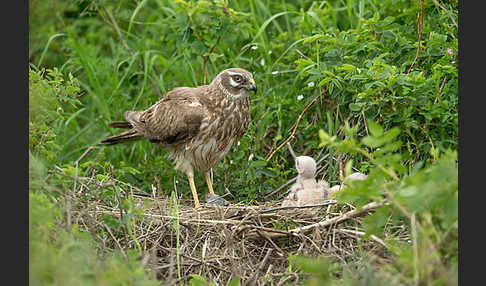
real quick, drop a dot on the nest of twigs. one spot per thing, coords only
(220, 243)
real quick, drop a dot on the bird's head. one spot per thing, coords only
(235, 82)
(306, 166)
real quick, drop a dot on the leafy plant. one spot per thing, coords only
(60, 254)
(60, 258)
(380, 76)
(425, 199)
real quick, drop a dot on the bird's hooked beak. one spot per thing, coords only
(253, 86)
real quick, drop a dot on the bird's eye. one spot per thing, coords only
(238, 78)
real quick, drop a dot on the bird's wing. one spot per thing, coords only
(323, 184)
(174, 119)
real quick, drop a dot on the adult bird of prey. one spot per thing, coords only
(197, 126)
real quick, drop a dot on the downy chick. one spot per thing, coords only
(306, 190)
(357, 176)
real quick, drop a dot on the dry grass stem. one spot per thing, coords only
(296, 125)
(247, 241)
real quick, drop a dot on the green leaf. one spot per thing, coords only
(322, 268)
(391, 134)
(346, 67)
(348, 168)
(371, 141)
(375, 223)
(390, 147)
(235, 281)
(325, 138)
(408, 191)
(375, 128)
(417, 167)
(355, 106)
(312, 38)
(198, 280)
(303, 63)
(258, 164)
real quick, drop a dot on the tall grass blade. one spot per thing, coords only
(47, 47)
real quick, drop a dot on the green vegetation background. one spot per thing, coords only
(384, 74)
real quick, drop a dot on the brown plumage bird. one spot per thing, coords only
(197, 125)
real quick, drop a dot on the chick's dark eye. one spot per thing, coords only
(237, 78)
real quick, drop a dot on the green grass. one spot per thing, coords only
(124, 55)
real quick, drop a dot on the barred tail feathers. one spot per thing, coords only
(130, 135)
(132, 121)
(120, 124)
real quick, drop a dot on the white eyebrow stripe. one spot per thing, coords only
(233, 73)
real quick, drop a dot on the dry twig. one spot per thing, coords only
(447, 12)
(76, 163)
(354, 213)
(223, 242)
(124, 43)
(296, 124)
(420, 24)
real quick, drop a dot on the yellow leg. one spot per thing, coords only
(194, 193)
(208, 181)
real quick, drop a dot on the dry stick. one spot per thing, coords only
(193, 220)
(264, 261)
(267, 237)
(329, 202)
(127, 184)
(206, 263)
(415, 250)
(364, 122)
(115, 190)
(447, 12)
(117, 29)
(68, 212)
(159, 187)
(282, 282)
(443, 83)
(340, 169)
(252, 280)
(76, 163)
(145, 259)
(206, 58)
(59, 171)
(311, 241)
(281, 187)
(265, 229)
(440, 89)
(116, 240)
(335, 220)
(361, 233)
(296, 125)
(420, 23)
